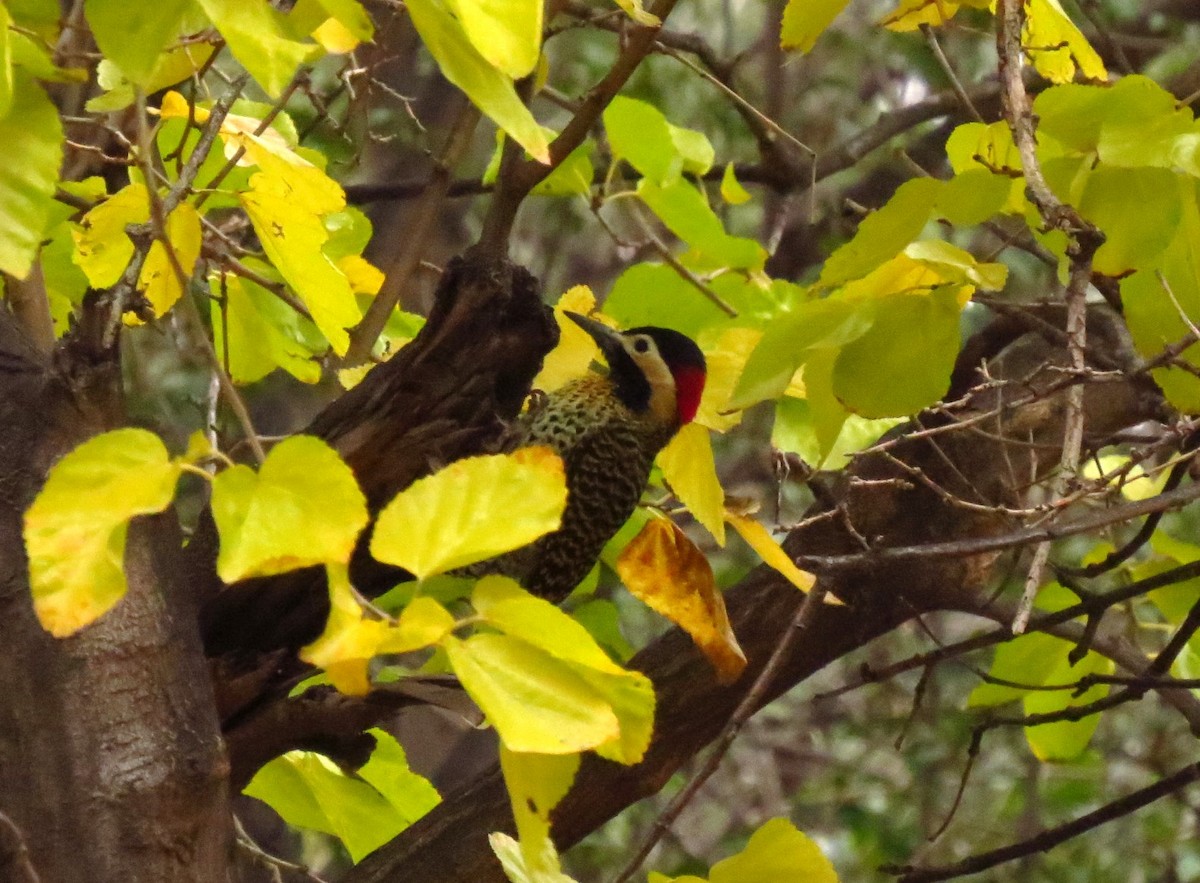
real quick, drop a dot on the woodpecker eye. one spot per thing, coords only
(641, 345)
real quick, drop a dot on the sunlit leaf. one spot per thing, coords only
(639, 133)
(303, 507)
(473, 509)
(423, 622)
(350, 640)
(536, 703)
(292, 240)
(262, 333)
(259, 38)
(75, 530)
(685, 212)
(308, 790)
(33, 132)
(725, 362)
(102, 247)
(911, 14)
(760, 540)
(488, 88)
(665, 570)
(134, 34)
(512, 859)
(1055, 45)
(805, 20)
(159, 280)
(688, 466)
(508, 33)
(777, 851)
(536, 783)
(636, 11)
(576, 349)
(732, 190)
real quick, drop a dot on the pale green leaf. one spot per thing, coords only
(805, 20)
(639, 134)
(303, 507)
(694, 148)
(473, 509)
(732, 190)
(293, 241)
(1137, 209)
(913, 342)
(508, 33)
(6, 61)
(884, 232)
(410, 795)
(75, 529)
(310, 791)
(260, 39)
(1066, 740)
(536, 783)
(536, 702)
(777, 851)
(262, 333)
(636, 11)
(508, 850)
(1026, 659)
(655, 294)
(32, 132)
(134, 34)
(686, 213)
(488, 88)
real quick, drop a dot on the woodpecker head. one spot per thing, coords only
(653, 370)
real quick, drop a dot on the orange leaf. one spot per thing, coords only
(663, 568)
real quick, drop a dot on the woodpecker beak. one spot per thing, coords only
(606, 338)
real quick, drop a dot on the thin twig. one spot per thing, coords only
(749, 704)
(948, 70)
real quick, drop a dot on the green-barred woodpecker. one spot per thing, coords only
(608, 428)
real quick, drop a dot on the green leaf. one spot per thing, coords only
(6, 62)
(308, 790)
(884, 232)
(262, 333)
(655, 294)
(134, 34)
(508, 33)
(972, 196)
(688, 215)
(913, 342)
(488, 88)
(639, 134)
(293, 240)
(474, 509)
(732, 190)
(302, 508)
(805, 20)
(537, 703)
(75, 529)
(1066, 740)
(31, 131)
(260, 39)
(694, 148)
(1026, 659)
(1139, 212)
(777, 851)
(795, 430)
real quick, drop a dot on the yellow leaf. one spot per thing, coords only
(102, 247)
(1056, 46)
(364, 277)
(335, 37)
(503, 604)
(262, 333)
(761, 541)
(75, 530)
(536, 703)
(423, 622)
(776, 851)
(536, 783)
(687, 465)
(726, 362)
(292, 240)
(911, 14)
(663, 568)
(159, 280)
(472, 510)
(576, 349)
(286, 174)
(352, 377)
(805, 20)
(302, 508)
(350, 640)
(508, 33)
(635, 10)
